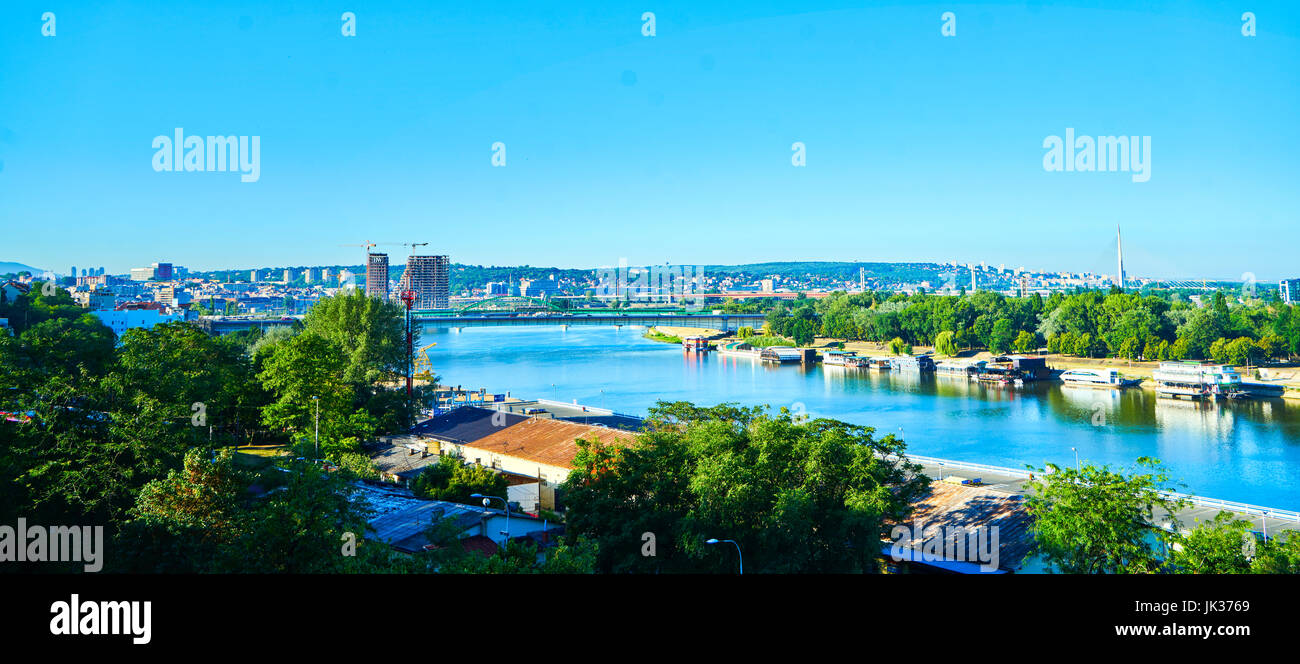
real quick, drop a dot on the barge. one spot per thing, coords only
(1103, 378)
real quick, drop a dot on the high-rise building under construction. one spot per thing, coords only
(427, 276)
(377, 275)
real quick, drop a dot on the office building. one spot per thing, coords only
(1290, 290)
(377, 276)
(427, 276)
(163, 271)
(541, 288)
(142, 273)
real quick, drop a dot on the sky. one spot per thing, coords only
(673, 148)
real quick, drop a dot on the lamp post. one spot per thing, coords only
(739, 555)
(487, 500)
(316, 400)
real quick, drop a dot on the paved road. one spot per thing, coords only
(1012, 483)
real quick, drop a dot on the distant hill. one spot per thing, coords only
(15, 268)
(833, 269)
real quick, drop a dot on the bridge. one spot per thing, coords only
(724, 322)
(471, 318)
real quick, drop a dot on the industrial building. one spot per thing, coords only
(377, 275)
(427, 276)
(1290, 290)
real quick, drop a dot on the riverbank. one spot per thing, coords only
(1287, 376)
(674, 335)
(1240, 450)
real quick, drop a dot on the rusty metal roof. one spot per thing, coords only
(547, 441)
(951, 505)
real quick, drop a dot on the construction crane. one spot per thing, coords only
(366, 246)
(363, 245)
(412, 245)
(423, 366)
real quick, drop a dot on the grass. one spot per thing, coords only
(763, 341)
(654, 335)
(260, 457)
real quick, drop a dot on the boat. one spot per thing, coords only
(841, 358)
(1105, 378)
(781, 354)
(1000, 374)
(912, 363)
(880, 363)
(959, 368)
(1198, 380)
(695, 345)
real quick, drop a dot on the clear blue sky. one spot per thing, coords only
(673, 148)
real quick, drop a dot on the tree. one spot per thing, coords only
(305, 372)
(1096, 521)
(1025, 342)
(180, 522)
(1221, 546)
(452, 480)
(798, 497)
(899, 347)
(368, 331)
(946, 343)
(1000, 337)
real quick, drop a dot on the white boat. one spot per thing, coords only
(1197, 380)
(843, 358)
(959, 368)
(1106, 378)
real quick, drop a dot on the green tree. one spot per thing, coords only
(946, 343)
(307, 372)
(1217, 547)
(798, 497)
(180, 522)
(368, 331)
(452, 480)
(1025, 342)
(899, 347)
(1096, 521)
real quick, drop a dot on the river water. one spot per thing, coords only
(1244, 451)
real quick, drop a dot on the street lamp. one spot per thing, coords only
(487, 500)
(739, 555)
(317, 401)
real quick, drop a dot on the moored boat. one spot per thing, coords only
(1104, 378)
(843, 358)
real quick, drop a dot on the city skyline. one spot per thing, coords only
(620, 144)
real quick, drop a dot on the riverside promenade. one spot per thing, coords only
(1266, 520)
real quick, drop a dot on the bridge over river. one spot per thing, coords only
(436, 320)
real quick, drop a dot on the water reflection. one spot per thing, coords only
(1247, 450)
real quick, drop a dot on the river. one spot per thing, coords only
(1243, 451)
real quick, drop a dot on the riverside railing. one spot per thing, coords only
(1199, 501)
